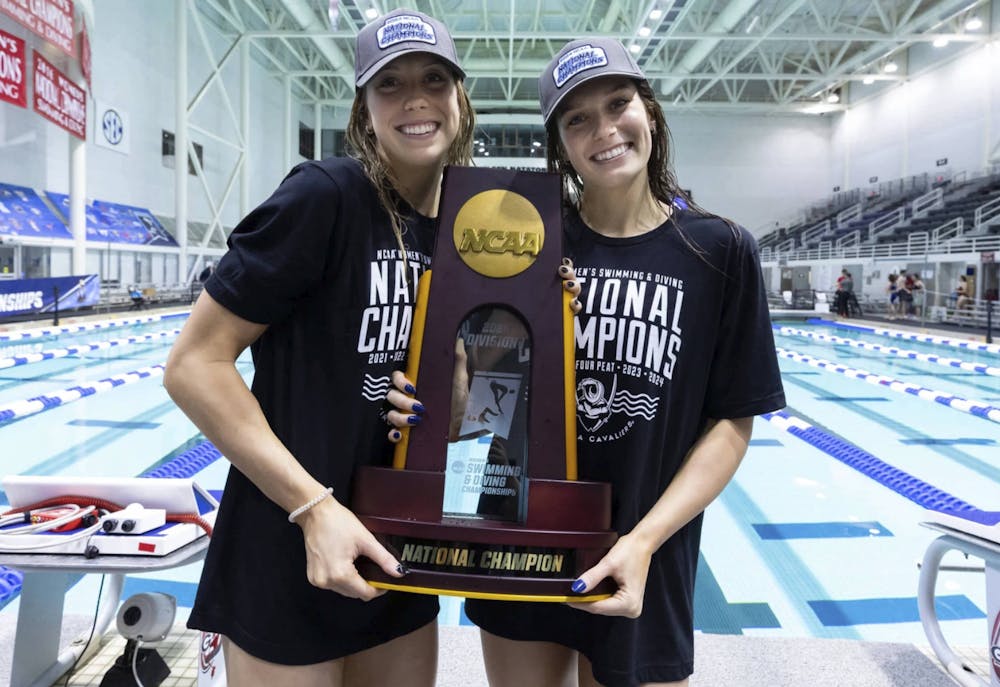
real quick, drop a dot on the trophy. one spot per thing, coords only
(482, 499)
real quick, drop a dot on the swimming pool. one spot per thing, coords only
(800, 544)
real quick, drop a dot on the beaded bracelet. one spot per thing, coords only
(309, 504)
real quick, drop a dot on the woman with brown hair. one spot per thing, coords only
(674, 344)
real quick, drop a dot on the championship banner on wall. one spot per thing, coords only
(85, 55)
(13, 70)
(22, 296)
(58, 99)
(48, 19)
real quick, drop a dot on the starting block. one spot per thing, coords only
(974, 533)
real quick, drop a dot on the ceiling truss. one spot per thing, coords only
(768, 56)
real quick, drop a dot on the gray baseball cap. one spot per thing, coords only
(398, 33)
(578, 62)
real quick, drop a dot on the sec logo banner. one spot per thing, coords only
(111, 128)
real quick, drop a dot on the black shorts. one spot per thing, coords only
(658, 646)
(623, 652)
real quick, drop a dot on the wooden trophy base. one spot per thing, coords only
(566, 533)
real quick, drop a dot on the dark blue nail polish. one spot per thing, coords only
(402, 569)
(564, 270)
(413, 419)
(418, 407)
(396, 434)
(578, 586)
(570, 284)
(409, 389)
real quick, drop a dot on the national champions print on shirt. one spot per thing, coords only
(628, 340)
(387, 320)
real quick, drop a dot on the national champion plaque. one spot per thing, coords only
(483, 499)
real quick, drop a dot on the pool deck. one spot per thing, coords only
(738, 660)
(720, 660)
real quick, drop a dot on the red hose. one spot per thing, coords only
(110, 507)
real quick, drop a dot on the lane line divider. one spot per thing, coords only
(911, 336)
(55, 353)
(186, 464)
(906, 485)
(43, 332)
(891, 350)
(973, 407)
(30, 406)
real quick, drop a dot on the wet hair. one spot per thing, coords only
(663, 182)
(363, 146)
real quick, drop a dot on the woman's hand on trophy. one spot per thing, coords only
(627, 563)
(568, 275)
(407, 411)
(334, 539)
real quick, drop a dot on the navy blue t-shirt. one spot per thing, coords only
(670, 335)
(319, 264)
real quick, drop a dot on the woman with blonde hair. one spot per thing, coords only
(320, 282)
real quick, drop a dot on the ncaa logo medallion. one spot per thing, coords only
(498, 233)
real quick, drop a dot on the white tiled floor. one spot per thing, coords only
(179, 650)
(975, 658)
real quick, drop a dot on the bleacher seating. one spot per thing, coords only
(961, 202)
(890, 219)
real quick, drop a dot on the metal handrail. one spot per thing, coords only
(848, 240)
(845, 216)
(931, 200)
(951, 229)
(844, 248)
(886, 222)
(915, 238)
(815, 231)
(986, 214)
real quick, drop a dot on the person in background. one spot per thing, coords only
(963, 300)
(919, 294)
(138, 300)
(905, 287)
(892, 288)
(845, 291)
(299, 286)
(853, 307)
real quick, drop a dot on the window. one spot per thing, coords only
(307, 139)
(167, 150)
